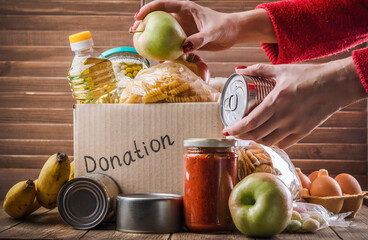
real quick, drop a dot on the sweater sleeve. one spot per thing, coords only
(308, 29)
(360, 58)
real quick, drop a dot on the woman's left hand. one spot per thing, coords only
(305, 95)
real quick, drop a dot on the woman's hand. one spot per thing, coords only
(305, 95)
(211, 30)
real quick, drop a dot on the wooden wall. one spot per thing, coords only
(36, 103)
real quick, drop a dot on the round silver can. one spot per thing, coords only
(149, 213)
(241, 94)
(87, 201)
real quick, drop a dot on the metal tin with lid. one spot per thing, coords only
(209, 142)
(241, 94)
(125, 54)
(126, 63)
(149, 213)
(87, 201)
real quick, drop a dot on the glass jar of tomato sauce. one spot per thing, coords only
(210, 173)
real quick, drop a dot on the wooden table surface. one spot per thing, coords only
(47, 224)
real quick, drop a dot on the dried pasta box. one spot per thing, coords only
(140, 145)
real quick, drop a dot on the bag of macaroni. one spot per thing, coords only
(168, 82)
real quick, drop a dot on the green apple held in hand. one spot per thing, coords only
(261, 205)
(159, 36)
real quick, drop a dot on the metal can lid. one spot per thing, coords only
(149, 197)
(209, 142)
(234, 100)
(83, 203)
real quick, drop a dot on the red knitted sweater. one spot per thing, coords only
(307, 29)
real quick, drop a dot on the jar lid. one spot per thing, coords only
(120, 50)
(209, 142)
(117, 50)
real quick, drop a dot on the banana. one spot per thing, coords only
(19, 199)
(35, 204)
(54, 173)
(71, 176)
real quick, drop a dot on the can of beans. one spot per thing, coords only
(87, 201)
(241, 94)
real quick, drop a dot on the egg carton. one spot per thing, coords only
(338, 204)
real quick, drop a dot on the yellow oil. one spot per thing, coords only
(92, 80)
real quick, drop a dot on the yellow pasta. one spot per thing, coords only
(179, 89)
(154, 92)
(195, 98)
(177, 99)
(153, 99)
(168, 82)
(132, 99)
(164, 87)
(173, 84)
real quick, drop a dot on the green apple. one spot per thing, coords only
(261, 205)
(159, 36)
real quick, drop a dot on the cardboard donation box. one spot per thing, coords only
(140, 145)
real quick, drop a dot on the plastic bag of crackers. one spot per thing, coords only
(168, 82)
(254, 157)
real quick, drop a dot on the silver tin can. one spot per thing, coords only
(149, 213)
(241, 94)
(87, 201)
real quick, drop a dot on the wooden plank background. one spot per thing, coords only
(36, 102)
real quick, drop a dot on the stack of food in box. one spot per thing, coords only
(137, 149)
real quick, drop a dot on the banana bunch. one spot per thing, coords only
(27, 196)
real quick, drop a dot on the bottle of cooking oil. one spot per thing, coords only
(91, 79)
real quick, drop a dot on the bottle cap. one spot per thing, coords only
(81, 40)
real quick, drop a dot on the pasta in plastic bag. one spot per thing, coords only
(168, 82)
(254, 157)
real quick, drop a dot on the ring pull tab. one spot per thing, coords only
(231, 103)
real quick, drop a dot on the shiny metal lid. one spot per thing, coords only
(209, 142)
(83, 203)
(236, 99)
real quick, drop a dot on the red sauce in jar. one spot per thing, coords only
(210, 174)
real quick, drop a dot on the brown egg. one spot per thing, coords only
(313, 176)
(348, 184)
(324, 186)
(306, 183)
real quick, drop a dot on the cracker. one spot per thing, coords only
(264, 157)
(256, 150)
(264, 168)
(248, 161)
(242, 172)
(253, 158)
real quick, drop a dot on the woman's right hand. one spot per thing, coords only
(206, 29)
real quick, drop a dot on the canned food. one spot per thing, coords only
(87, 201)
(149, 213)
(241, 94)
